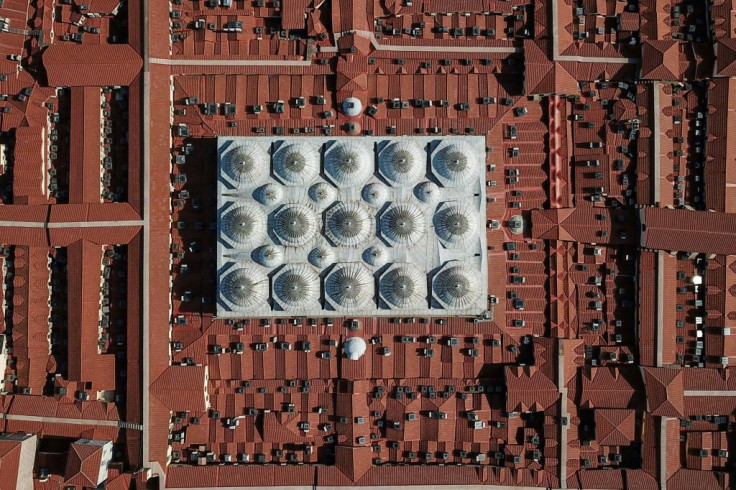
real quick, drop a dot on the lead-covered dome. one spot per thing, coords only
(246, 164)
(349, 164)
(455, 164)
(245, 287)
(457, 286)
(403, 286)
(354, 348)
(352, 106)
(376, 255)
(321, 256)
(295, 286)
(427, 192)
(403, 223)
(270, 194)
(295, 225)
(456, 223)
(269, 255)
(296, 163)
(375, 194)
(322, 193)
(402, 163)
(244, 224)
(349, 224)
(349, 286)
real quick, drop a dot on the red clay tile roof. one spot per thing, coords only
(181, 388)
(9, 462)
(688, 231)
(664, 391)
(68, 65)
(660, 60)
(83, 464)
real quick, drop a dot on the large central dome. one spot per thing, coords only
(403, 223)
(245, 224)
(296, 164)
(349, 164)
(295, 225)
(349, 224)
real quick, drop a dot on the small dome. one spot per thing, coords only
(403, 223)
(457, 286)
(375, 194)
(456, 164)
(427, 192)
(352, 128)
(516, 224)
(349, 164)
(352, 106)
(297, 285)
(321, 256)
(246, 164)
(403, 163)
(349, 224)
(376, 255)
(456, 223)
(245, 224)
(349, 286)
(245, 287)
(354, 348)
(295, 225)
(296, 163)
(403, 287)
(269, 256)
(269, 194)
(322, 193)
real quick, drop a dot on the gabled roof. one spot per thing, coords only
(726, 61)
(353, 461)
(181, 388)
(71, 65)
(9, 462)
(664, 388)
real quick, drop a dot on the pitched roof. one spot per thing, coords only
(181, 388)
(726, 61)
(664, 388)
(71, 65)
(660, 60)
(83, 464)
(615, 427)
(685, 230)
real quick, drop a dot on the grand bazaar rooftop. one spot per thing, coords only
(367, 243)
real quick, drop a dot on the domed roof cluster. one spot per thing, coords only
(403, 223)
(349, 286)
(296, 164)
(349, 224)
(296, 286)
(349, 164)
(455, 164)
(456, 223)
(456, 286)
(403, 163)
(295, 225)
(403, 287)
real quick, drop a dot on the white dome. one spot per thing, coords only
(403, 163)
(455, 164)
(349, 286)
(427, 192)
(296, 286)
(322, 193)
(245, 224)
(376, 255)
(245, 287)
(457, 286)
(295, 225)
(349, 164)
(403, 223)
(246, 164)
(375, 194)
(321, 256)
(456, 223)
(269, 194)
(403, 287)
(296, 163)
(352, 106)
(269, 255)
(349, 224)
(354, 348)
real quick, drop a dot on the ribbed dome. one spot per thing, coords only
(297, 163)
(245, 224)
(349, 224)
(352, 106)
(376, 255)
(297, 285)
(245, 287)
(246, 164)
(403, 223)
(456, 164)
(295, 225)
(456, 223)
(354, 348)
(375, 194)
(349, 286)
(349, 164)
(269, 194)
(322, 193)
(403, 287)
(403, 163)
(457, 286)
(427, 192)
(269, 255)
(321, 256)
